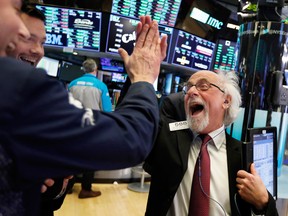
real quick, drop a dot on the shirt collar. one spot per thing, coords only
(88, 74)
(218, 136)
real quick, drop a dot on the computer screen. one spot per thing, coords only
(72, 28)
(225, 58)
(69, 71)
(122, 33)
(264, 150)
(164, 12)
(119, 77)
(107, 64)
(191, 51)
(50, 65)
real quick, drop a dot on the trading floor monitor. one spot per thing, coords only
(262, 151)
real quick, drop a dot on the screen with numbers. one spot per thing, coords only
(163, 11)
(107, 64)
(225, 57)
(191, 51)
(72, 28)
(263, 153)
(50, 65)
(122, 33)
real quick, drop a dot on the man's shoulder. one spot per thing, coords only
(15, 70)
(172, 107)
(13, 65)
(230, 139)
(179, 96)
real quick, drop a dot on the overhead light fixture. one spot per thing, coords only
(232, 26)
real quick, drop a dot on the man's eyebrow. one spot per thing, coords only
(201, 79)
(35, 36)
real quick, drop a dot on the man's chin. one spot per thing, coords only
(197, 124)
(3, 54)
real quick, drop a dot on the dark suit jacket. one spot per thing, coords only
(43, 136)
(167, 162)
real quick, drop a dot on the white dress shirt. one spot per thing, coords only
(219, 183)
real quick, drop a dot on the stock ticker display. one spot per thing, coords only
(192, 52)
(72, 28)
(225, 55)
(122, 33)
(163, 11)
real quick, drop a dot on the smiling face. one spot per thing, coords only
(205, 109)
(11, 25)
(31, 50)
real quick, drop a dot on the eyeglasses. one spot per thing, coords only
(201, 85)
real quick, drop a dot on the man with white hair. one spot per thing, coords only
(190, 176)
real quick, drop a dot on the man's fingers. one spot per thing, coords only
(153, 31)
(148, 20)
(49, 182)
(156, 42)
(124, 55)
(163, 46)
(43, 188)
(143, 20)
(142, 36)
(138, 29)
(253, 170)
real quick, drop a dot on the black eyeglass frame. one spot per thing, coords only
(197, 86)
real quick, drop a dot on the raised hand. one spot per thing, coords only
(149, 51)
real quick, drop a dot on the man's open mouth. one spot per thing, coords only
(196, 109)
(29, 61)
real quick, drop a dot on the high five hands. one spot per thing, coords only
(149, 51)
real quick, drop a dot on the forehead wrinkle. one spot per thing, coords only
(209, 76)
(34, 36)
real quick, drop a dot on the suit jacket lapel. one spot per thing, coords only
(234, 154)
(234, 162)
(184, 140)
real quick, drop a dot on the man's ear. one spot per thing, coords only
(227, 102)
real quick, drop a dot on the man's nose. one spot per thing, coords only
(23, 31)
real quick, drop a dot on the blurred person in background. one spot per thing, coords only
(92, 93)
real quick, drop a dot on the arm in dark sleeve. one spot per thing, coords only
(54, 138)
(270, 209)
